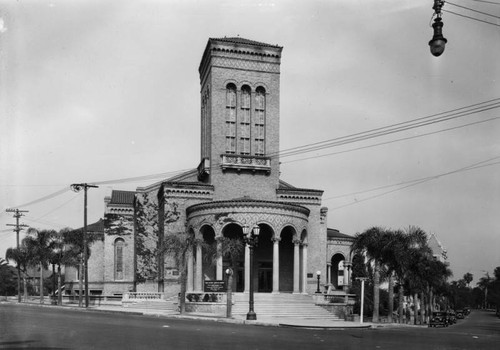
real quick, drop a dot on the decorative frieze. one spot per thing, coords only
(248, 212)
(229, 62)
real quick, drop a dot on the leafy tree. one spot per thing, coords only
(230, 249)
(179, 246)
(8, 280)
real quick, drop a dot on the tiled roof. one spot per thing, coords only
(333, 233)
(122, 197)
(239, 40)
(95, 227)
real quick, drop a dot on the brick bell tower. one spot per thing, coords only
(240, 90)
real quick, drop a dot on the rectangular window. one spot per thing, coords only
(230, 145)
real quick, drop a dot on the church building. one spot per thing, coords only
(234, 190)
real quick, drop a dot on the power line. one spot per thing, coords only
(487, 2)
(416, 182)
(476, 105)
(469, 167)
(470, 9)
(365, 135)
(475, 19)
(416, 123)
(392, 141)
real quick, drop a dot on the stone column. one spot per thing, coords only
(276, 265)
(328, 272)
(347, 275)
(304, 268)
(296, 266)
(219, 272)
(198, 281)
(247, 269)
(189, 286)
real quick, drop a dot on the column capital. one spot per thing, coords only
(276, 239)
(296, 241)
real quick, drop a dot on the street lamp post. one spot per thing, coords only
(251, 238)
(362, 279)
(318, 275)
(438, 41)
(229, 292)
(78, 188)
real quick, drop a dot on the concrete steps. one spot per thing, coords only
(281, 306)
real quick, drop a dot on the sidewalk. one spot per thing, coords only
(261, 321)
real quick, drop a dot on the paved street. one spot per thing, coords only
(29, 326)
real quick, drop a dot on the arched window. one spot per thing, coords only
(119, 245)
(244, 119)
(260, 121)
(231, 118)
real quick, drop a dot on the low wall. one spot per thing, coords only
(216, 309)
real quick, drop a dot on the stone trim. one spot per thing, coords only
(247, 204)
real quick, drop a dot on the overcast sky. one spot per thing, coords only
(92, 91)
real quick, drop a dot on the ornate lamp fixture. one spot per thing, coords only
(438, 41)
(318, 275)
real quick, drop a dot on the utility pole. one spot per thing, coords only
(78, 188)
(17, 214)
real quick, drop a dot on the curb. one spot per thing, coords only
(217, 319)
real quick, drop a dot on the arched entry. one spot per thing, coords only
(232, 259)
(286, 263)
(337, 271)
(263, 261)
(208, 262)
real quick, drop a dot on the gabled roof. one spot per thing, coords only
(189, 176)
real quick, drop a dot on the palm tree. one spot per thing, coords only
(393, 249)
(468, 278)
(73, 247)
(21, 257)
(484, 283)
(38, 243)
(399, 250)
(60, 255)
(370, 243)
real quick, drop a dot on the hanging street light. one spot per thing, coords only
(438, 41)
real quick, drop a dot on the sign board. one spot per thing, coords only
(214, 287)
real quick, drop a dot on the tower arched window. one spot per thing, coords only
(119, 246)
(231, 118)
(260, 121)
(244, 120)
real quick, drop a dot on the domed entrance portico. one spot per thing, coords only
(280, 258)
